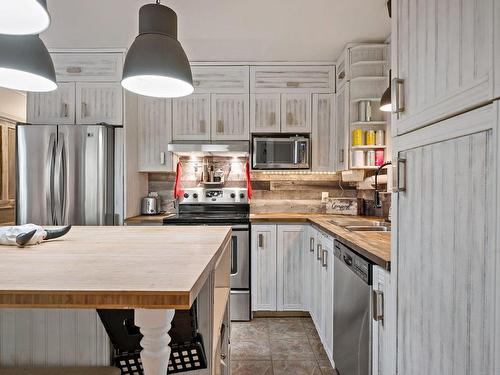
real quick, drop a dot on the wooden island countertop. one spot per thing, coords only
(112, 267)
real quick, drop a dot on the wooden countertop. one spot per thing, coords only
(144, 219)
(112, 267)
(376, 246)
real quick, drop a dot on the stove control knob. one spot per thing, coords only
(233, 195)
(242, 195)
(186, 195)
(195, 196)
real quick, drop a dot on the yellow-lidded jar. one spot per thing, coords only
(370, 137)
(357, 137)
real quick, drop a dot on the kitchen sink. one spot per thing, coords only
(375, 225)
(369, 228)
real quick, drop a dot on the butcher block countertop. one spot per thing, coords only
(112, 267)
(147, 219)
(376, 246)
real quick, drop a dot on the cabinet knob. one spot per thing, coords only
(341, 75)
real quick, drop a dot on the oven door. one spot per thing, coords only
(240, 257)
(280, 153)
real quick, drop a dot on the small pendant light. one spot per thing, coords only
(156, 65)
(23, 17)
(386, 100)
(25, 64)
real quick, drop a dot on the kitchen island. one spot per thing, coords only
(153, 270)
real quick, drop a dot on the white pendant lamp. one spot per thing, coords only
(156, 64)
(23, 17)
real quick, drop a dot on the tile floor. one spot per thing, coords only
(277, 346)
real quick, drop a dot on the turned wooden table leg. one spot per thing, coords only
(154, 325)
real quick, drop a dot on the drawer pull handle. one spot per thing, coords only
(73, 70)
(318, 251)
(261, 240)
(324, 258)
(397, 95)
(293, 84)
(311, 244)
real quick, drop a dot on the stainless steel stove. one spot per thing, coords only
(224, 206)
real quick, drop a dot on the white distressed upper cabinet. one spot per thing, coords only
(99, 103)
(446, 250)
(322, 138)
(327, 293)
(265, 79)
(191, 117)
(94, 67)
(155, 132)
(444, 55)
(221, 79)
(342, 127)
(263, 267)
(230, 117)
(55, 107)
(265, 113)
(296, 113)
(290, 258)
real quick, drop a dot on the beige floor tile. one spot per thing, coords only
(284, 328)
(291, 349)
(296, 368)
(256, 329)
(326, 368)
(251, 368)
(250, 349)
(318, 349)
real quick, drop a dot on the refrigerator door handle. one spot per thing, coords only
(49, 181)
(60, 182)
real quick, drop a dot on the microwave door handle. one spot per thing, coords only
(296, 153)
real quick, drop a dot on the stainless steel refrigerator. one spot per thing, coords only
(66, 175)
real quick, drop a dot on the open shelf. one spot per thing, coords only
(369, 62)
(370, 78)
(367, 99)
(368, 123)
(365, 167)
(368, 147)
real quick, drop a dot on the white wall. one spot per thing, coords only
(228, 30)
(12, 105)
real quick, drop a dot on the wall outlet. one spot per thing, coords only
(324, 196)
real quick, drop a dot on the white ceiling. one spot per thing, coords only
(227, 30)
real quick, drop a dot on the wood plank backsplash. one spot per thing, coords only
(272, 191)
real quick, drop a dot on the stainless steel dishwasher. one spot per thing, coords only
(352, 321)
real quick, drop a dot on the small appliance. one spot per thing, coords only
(281, 152)
(150, 205)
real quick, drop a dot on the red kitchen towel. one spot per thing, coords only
(249, 181)
(178, 192)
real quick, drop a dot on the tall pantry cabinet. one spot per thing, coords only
(443, 307)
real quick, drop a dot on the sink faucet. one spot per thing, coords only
(378, 204)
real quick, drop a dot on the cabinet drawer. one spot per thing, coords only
(221, 79)
(97, 67)
(319, 79)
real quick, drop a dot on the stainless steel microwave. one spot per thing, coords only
(280, 152)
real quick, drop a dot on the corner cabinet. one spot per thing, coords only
(444, 58)
(322, 137)
(154, 118)
(341, 126)
(191, 118)
(230, 117)
(263, 267)
(446, 245)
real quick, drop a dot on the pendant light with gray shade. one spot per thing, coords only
(156, 64)
(23, 17)
(25, 64)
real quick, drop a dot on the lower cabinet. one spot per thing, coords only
(263, 267)
(380, 344)
(327, 302)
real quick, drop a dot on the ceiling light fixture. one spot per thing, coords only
(156, 65)
(23, 17)
(25, 64)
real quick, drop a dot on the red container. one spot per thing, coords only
(379, 157)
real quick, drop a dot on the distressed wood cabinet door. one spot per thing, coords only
(155, 133)
(290, 257)
(52, 108)
(263, 267)
(327, 296)
(317, 285)
(446, 247)
(309, 253)
(342, 128)
(230, 117)
(99, 102)
(296, 113)
(265, 113)
(322, 138)
(191, 118)
(444, 54)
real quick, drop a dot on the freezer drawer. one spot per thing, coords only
(240, 305)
